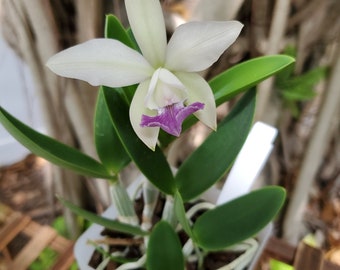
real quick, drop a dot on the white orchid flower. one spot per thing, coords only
(169, 87)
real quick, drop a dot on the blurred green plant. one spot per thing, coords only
(278, 265)
(48, 256)
(297, 88)
(45, 260)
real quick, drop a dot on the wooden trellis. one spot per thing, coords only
(301, 258)
(30, 239)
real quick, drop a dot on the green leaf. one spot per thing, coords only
(298, 94)
(115, 30)
(181, 215)
(246, 75)
(152, 164)
(164, 249)
(52, 150)
(301, 87)
(105, 222)
(287, 72)
(239, 219)
(109, 148)
(215, 156)
(277, 265)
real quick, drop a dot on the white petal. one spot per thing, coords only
(147, 24)
(195, 46)
(200, 91)
(164, 89)
(148, 135)
(101, 62)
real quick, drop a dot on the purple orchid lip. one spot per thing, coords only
(171, 117)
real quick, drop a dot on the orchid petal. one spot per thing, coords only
(101, 62)
(147, 24)
(148, 135)
(200, 91)
(165, 89)
(195, 46)
(170, 118)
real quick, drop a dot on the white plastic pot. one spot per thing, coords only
(256, 150)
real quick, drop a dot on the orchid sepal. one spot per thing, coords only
(148, 27)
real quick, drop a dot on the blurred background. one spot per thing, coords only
(301, 102)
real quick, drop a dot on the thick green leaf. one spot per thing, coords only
(115, 30)
(239, 219)
(246, 75)
(215, 156)
(152, 164)
(164, 249)
(180, 214)
(52, 150)
(105, 222)
(109, 148)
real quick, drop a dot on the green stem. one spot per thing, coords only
(169, 212)
(150, 196)
(123, 204)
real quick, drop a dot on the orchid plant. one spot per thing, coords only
(169, 88)
(150, 91)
